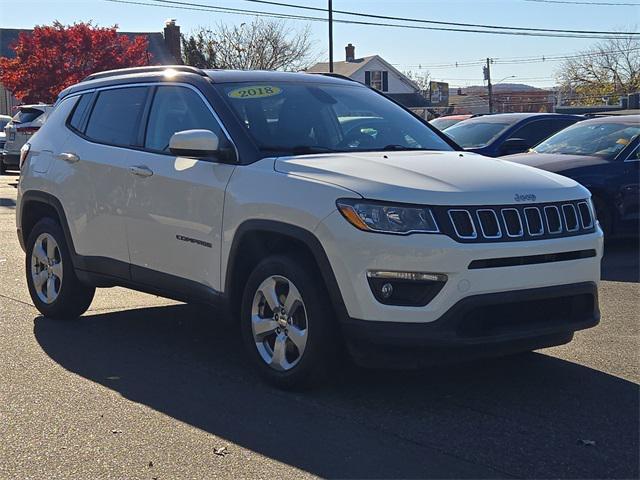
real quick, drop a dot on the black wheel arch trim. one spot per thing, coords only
(297, 233)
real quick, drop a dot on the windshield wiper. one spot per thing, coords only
(401, 147)
(298, 149)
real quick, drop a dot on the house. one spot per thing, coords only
(164, 49)
(377, 73)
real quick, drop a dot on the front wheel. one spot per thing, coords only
(53, 285)
(287, 323)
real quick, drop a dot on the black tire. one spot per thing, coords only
(323, 341)
(74, 298)
(603, 214)
(3, 168)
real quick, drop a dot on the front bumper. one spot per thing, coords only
(477, 327)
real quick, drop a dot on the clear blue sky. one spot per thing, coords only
(399, 46)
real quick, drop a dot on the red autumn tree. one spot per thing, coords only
(51, 58)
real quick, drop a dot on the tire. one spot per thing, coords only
(302, 351)
(53, 285)
(603, 214)
(3, 168)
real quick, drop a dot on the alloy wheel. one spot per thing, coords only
(46, 268)
(279, 323)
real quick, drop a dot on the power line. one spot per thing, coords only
(237, 11)
(514, 60)
(434, 22)
(598, 4)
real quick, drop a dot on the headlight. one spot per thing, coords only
(375, 216)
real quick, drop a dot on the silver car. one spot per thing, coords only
(27, 121)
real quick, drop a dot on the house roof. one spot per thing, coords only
(349, 68)
(157, 48)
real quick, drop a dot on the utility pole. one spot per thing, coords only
(330, 36)
(487, 77)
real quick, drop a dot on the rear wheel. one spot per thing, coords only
(53, 285)
(287, 323)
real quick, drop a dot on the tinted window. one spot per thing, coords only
(442, 123)
(317, 117)
(476, 134)
(175, 109)
(79, 111)
(25, 115)
(534, 132)
(116, 115)
(601, 139)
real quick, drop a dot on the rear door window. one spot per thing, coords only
(116, 116)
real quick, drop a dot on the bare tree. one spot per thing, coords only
(260, 45)
(605, 72)
(421, 79)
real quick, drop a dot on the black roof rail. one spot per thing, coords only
(331, 74)
(150, 69)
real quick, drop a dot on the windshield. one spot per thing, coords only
(297, 118)
(444, 122)
(476, 134)
(604, 140)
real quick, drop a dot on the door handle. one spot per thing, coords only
(140, 170)
(69, 157)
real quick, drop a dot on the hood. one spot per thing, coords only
(554, 162)
(436, 178)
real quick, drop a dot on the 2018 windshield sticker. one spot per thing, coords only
(255, 91)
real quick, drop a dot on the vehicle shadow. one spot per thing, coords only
(621, 260)
(529, 416)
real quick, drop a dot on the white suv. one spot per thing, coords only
(318, 212)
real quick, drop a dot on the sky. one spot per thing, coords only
(416, 50)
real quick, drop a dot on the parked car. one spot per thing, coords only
(4, 119)
(603, 154)
(27, 121)
(442, 123)
(508, 133)
(241, 189)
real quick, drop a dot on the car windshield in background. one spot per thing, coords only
(476, 134)
(604, 140)
(26, 115)
(442, 123)
(295, 118)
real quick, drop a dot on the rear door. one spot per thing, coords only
(174, 218)
(93, 173)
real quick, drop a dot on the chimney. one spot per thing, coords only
(350, 53)
(172, 40)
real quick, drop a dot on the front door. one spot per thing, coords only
(174, 222)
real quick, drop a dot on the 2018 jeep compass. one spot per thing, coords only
(316, 210)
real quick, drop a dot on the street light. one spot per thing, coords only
(510, 76)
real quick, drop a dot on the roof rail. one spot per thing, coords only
(150, 69)
(332, 74)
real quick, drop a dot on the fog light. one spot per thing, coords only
(409, 289)
(386, 290)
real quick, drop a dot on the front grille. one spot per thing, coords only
(503, 223)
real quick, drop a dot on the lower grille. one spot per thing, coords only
(531, 259)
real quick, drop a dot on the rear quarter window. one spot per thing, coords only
(79, 112)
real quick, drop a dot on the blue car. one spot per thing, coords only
(508, 133)
(603, 154)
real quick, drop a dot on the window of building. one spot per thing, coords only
(378, 79)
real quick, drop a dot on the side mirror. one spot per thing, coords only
(198, 144)
(513, 145)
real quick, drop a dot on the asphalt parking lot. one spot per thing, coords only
(143, 387)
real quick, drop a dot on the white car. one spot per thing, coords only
(26, 121)
(4, 119)
(317, 212)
